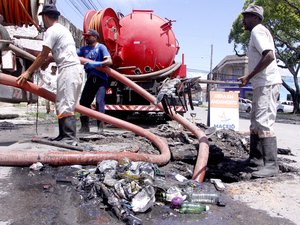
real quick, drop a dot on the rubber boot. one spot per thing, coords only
(100, 126)
(270, 168)
(61, 132)
(69, 129)
(85, 126)
(256, 155)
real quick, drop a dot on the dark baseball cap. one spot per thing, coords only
(91, 32)
(49, 9)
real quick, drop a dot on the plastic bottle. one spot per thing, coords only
(204, 198)
(192, 208)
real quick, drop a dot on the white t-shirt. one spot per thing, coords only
(61, 42)
(261, 40)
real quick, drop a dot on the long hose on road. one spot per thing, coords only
(25, 158)
(60, 158)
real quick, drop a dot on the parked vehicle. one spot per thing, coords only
(285, 106)
(197, 102)
(245, 105)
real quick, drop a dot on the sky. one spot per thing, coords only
(202, 27)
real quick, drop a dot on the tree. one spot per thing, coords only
(282, 18)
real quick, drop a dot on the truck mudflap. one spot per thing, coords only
(139, 108)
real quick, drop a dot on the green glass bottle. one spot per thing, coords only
(192, 208)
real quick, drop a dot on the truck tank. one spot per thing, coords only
(147, 43)
(143, 47)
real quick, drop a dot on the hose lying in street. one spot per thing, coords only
(26, 158)
(91, 158)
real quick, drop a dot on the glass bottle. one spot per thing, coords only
(192, 208)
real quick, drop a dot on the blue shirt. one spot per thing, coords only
(97, 53)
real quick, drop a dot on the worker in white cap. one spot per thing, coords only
(266, 82)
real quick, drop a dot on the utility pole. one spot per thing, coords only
(208, 85)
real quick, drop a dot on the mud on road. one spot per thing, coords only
(52, 196)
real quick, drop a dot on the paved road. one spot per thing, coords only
(277, 197)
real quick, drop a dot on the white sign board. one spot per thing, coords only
(224, 110)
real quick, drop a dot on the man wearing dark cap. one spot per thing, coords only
(59, 46)
(266, 82)
(93, 55)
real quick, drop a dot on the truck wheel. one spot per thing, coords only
(4, 35)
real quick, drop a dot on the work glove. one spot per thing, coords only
(91, 65)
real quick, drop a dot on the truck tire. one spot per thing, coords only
(4, 35)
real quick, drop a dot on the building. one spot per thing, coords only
(230, 69)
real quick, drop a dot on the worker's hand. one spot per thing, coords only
(92, 65)
(23, 78)
(45, 65)
(244, 80)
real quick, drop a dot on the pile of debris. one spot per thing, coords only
(128, 188)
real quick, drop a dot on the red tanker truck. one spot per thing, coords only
(143, 48)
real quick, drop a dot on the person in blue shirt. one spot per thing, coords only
(95, 55)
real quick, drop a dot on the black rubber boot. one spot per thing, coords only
(69, 129)
(85, 126)
(100, 126)
(270, 168)
(256, 155)
(61, 132)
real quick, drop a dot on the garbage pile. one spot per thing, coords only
(128, 188)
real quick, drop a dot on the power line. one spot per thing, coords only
(71, 4)
(87, 6)
(92, 4)
(98, 2)
(80, 7)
